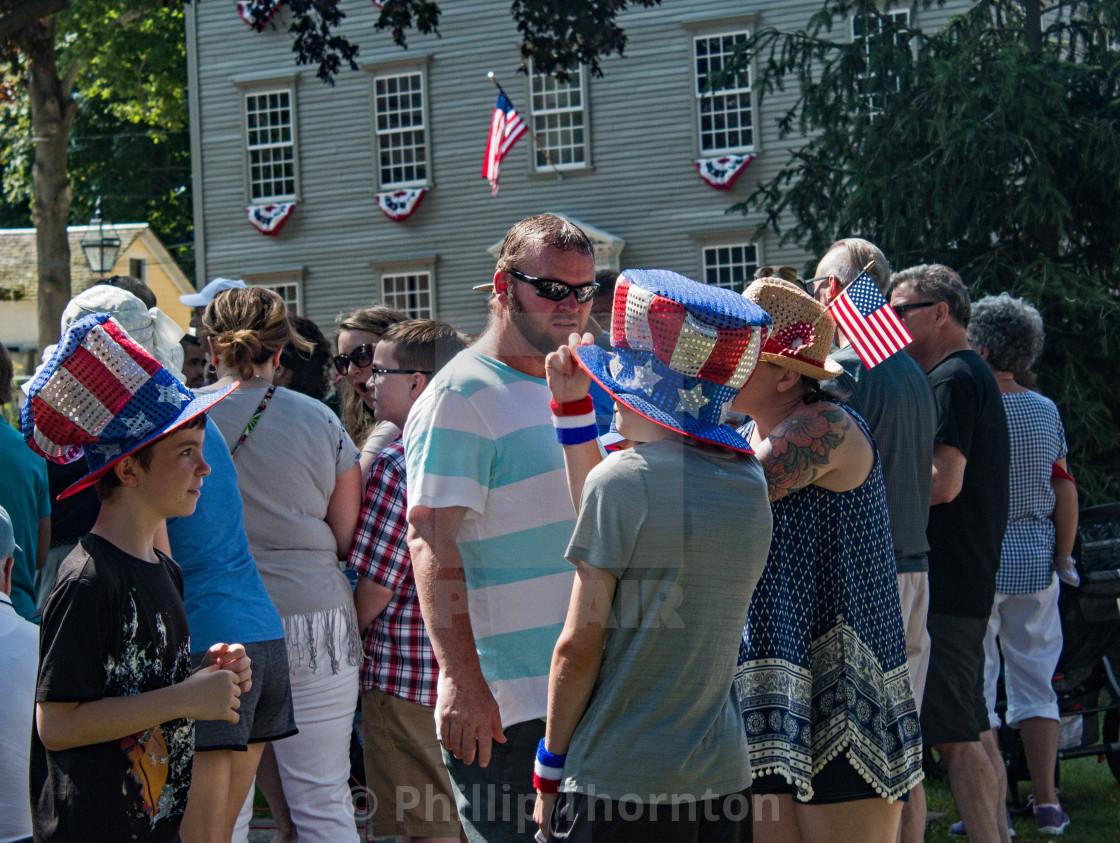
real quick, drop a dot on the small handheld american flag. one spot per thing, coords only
(873, 329)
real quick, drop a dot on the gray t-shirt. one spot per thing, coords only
(286, 472)
(896, 401)
(686, 531)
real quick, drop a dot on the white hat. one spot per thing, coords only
(151, 328)
(207, 294)
(7, 537)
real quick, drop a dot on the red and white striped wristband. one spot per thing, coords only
(574, 421)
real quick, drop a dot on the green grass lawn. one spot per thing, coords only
(1089, 794)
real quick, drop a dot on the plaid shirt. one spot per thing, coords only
(398, 655)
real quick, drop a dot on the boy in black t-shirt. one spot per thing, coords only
(115, 699)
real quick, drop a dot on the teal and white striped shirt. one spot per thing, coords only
(481, 437)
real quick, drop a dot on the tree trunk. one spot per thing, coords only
(52, 112)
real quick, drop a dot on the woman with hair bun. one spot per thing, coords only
(358, 334)
(298, 474)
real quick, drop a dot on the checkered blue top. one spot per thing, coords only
(1038, 440)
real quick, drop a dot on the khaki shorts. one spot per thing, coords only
(405, 773)
(913, 594)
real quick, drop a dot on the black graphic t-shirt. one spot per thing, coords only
(113, 626)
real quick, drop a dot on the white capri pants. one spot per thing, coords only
(1029, 630)
(315, 764)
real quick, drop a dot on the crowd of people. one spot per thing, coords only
(659, 626)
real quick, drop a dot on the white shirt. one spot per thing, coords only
(19, 664)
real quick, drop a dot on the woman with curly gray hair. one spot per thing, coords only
(1042, 519)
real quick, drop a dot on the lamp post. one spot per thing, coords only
(100, 243)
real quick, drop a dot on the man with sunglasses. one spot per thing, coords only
(490, 516)
(895, 400)
(967, 519)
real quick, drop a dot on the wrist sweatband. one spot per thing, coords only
(548, 770)
(574, 421)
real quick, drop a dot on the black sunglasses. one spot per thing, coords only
(902, 309)
(375, 372)
(553, 290)
(360, 357)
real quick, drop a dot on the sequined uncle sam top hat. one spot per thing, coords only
(680, 352)
(103, 396)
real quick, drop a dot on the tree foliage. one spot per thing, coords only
(982, 153)
(557, 34)
(118, 69)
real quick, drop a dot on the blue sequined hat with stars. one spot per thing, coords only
(103, 396)
(680, 352)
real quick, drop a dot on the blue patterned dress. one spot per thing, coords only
(822, 666)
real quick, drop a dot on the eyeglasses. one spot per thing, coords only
(375, 372)
(553, 290)
(901, 310)
(361, 357)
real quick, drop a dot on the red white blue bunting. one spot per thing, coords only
(400, 204)
(257, 13)
(269, 219)
(721, 173)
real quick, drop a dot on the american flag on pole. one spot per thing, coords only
(868, 322)
(506, 128)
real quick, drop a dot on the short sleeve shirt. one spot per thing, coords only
(480, 437)
(286, 471)
(966, 534)
(398, 655)
(686, 531)
(24, 493)
(113, 626)
(1038, 440)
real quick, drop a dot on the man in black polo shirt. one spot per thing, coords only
(967, 518)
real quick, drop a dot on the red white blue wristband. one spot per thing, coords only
(574, 421)
(548, 770)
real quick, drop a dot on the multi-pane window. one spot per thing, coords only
(868, 30)
(271, 144)
(726, 118)
(408, 292)
(402, 152)
(289, 292)
(559, 119)
(731, 266)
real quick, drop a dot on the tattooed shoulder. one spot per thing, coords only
(799, 449)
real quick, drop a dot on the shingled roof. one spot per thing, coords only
(19, 267)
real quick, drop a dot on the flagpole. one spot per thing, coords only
(532, 134)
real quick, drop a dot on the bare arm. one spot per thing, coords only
(467, 715)
(948, 474)
(1065, 512)
(343, 508)
(575, 665)
(815, 445)
(44, 543)
(578, 654)
(568, 381)
(370, 600)
(210, 694)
